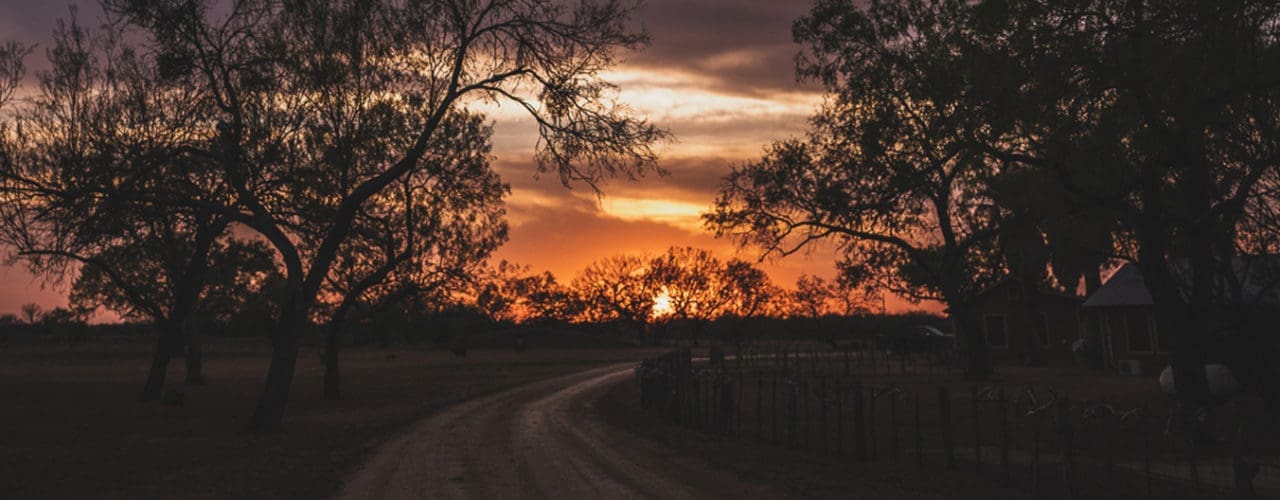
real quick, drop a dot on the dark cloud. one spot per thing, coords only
(744, 45)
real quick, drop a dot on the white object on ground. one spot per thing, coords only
(1221, 381)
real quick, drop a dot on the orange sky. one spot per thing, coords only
(719, 75)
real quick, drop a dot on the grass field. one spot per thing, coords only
(70, 425)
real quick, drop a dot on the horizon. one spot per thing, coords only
(710, 76)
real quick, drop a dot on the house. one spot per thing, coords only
(1120, 318)
(1011, 321)
(1122, 324)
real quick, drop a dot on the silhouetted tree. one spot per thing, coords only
(887, 170)
(434, 231)
(748, 293)
(142, 276)
(512, 293)
(619, 288)
(694, 282)
(1176, 100)
(31, 313)
(266, 71)
(102, 127)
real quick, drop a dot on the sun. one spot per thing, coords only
(662, 305)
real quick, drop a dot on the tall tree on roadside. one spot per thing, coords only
(434, 231)
(887, 170)
(265, 70)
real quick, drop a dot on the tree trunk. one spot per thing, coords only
(195, 356)
(1034, 351)
(978, 365)
(1177, 320)
(168, 336)
(332, 377)
(269, 414)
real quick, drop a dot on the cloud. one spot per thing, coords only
(745, 46)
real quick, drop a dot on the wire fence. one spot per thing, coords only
(910, 409)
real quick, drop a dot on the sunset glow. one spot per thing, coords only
(721, 81)
(662, 305)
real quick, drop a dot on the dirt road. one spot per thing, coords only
(542, 440)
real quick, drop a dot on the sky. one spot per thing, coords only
(718, 74)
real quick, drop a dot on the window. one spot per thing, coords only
(1137, 325)
(1162, 341)
(996, 334)
(1042, 329)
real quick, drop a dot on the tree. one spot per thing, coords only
(102, 126)
(693, 281)
(145, 276)
(511, 293)
(267, 69)
(434, 232)
(812, 297)
(621, 288)
(748, 293)
(747, 289)
(1176, 99)
(31, 313)
(888, 170)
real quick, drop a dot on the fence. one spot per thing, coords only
(1034, 437)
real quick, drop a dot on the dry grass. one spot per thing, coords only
(70, 426)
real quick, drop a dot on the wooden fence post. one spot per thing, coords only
(919, 435)
(822, 416)
(792, 401)
(977, 429)
(805, 431)
(773, 415)
(697, 403)
(1004, 439)
(859, 424)
(1035, 452)
(839, 419)
(944, 410)
(727, 416)
(760, 408)
(1068, 446)
(1145, 437)
(893, 424)
(737, 403)
(873, 438)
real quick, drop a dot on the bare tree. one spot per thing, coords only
(694, 281)
(619, 288)
(31, 313)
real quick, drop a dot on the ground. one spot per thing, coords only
(70, 425)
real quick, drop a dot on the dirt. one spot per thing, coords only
(542, 440)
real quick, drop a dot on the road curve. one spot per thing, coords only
(541, 440)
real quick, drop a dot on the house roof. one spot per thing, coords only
(1124, 288)
(1258, 283)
